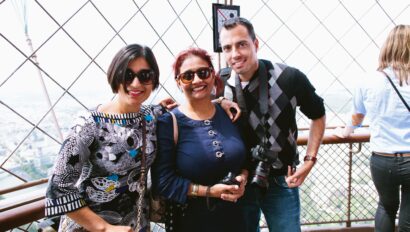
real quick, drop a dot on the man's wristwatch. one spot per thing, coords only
(220, 99)
(310, 158)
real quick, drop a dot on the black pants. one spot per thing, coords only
(196, 216)
(391, 175)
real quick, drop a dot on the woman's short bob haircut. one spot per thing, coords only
(203, 54)
(119, 65)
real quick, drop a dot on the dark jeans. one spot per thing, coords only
(280, 206)
(390, 176)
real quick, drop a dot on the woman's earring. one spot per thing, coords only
(180, 88)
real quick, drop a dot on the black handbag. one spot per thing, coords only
(157, 207)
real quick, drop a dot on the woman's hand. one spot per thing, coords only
(353, 123)
(343, 132)
(235, 194)
(222, 191)
(112, 228)
(231, 108)
(93, 222)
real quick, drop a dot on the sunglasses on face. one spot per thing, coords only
(145, 76)
(188, 76)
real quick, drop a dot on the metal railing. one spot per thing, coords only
(338, 190)
(310, 46)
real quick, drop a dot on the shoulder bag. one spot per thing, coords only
(157, 207)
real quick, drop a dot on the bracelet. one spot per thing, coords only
(310, 158)
(208, 191)
(220, 99)
(195, 189)
(208, 203)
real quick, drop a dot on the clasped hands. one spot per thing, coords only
(229, 192)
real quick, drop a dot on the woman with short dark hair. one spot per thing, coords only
(96, 182)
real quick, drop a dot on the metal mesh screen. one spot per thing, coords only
(339, 188)
(44, 83)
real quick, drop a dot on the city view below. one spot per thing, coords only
(335, 43)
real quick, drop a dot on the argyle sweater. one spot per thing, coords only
(288, 88)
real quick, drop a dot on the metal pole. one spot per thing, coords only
(219, 54)
(349, 186)
(349, 197)
(23, 186)
(34, 57)
(40, 75)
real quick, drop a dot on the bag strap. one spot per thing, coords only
(143, 177)
(175, 125)
(224, 75)
(144, 142)
(397, 91)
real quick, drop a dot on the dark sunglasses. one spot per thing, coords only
(145, 76)
(188, 76)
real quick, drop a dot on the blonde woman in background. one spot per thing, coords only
(389, 120)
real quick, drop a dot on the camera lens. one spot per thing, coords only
(260, 177)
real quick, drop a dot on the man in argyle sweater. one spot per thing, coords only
(268, 95)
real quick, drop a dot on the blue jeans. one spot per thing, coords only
(390, 176)
(280, 206)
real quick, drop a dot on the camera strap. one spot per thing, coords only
(262, 81)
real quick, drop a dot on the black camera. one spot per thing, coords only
(229, 179)
(265, 158)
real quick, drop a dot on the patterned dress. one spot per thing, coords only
(99, 166)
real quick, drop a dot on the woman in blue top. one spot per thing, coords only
(389, 123)
(209, 146)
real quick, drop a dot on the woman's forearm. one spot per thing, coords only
(88, 219)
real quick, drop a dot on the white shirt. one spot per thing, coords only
(388, 117)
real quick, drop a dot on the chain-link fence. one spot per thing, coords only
(339, 189)
(54, 57)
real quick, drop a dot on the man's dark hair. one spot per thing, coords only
(233, 22)
(119, 64)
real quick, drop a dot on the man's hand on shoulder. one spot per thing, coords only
(168, 103)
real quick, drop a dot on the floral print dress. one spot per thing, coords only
(99, 166)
